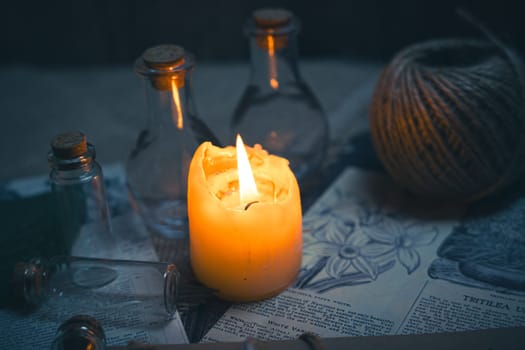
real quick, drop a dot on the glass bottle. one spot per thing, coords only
(80, 194)
(96, 286)
(157, 168)
(79, 332)
(277, 109)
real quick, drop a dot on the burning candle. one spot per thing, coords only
(245, 221)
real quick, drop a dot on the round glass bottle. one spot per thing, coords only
(277, 109)
(157, 168)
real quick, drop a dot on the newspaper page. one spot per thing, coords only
(122, 320)
(379, 261)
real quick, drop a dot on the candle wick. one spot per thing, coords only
(250, 203)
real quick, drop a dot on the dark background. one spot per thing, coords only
(113, 32)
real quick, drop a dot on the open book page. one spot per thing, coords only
(373, 265)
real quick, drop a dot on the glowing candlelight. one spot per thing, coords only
(247, 188)
(247, 252)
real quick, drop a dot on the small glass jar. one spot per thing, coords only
(277, 109)
(80, 332)
(157, 168)
(80, 194)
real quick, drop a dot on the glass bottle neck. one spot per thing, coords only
(168, 91)
(170, 100)
(75, 170)
(170, 105)
(273, 60)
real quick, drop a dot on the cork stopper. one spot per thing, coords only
(69, 145)
(164, 59)
(163, 56)
(272, 17)
(272, 28)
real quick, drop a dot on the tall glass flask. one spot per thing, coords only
(157, 168)
(80, 194)
(278, 110)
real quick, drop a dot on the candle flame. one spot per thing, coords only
(247, 187)
(274, 83)
(176, 101)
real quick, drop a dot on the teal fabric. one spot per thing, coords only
(29, 229)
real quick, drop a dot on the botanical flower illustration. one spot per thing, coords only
(390, 235)
(344, 251)
(351, 242)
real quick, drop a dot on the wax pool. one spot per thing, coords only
(244, 252)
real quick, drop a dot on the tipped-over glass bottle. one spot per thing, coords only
(80, 285)
(157, 168)
(278, 110)
(80, 194)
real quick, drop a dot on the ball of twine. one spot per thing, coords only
(447, 118)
